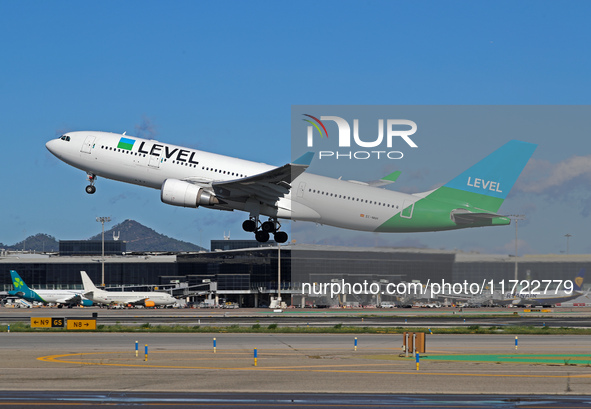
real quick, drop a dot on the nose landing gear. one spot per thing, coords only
(263, 233)
(90, 189)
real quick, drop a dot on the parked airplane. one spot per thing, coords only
(545, 298)
(191, 178)
(534, 295)
(59, 297)
(144, 298)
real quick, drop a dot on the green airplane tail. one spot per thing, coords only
(485, 185)
(18, 282)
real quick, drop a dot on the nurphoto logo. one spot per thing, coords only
(393, 129)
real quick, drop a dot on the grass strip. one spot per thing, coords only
(336, 329)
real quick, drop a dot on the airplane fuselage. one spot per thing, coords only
(52, 296)
(191, 178)
(130, 297)
(149, 163)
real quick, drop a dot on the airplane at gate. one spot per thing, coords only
(59, 297)
(143, 298)
(191, 178)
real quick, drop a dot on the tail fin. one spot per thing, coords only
(486, 184)
(578, 283)
(18, 282)
(87, 282)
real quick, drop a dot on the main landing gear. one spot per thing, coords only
(267, 228)
(90, 189)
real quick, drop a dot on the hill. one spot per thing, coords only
(141, 238)
(39, 243)
(137, 236)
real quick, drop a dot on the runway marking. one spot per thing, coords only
(62, 358)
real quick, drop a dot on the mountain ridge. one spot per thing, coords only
(138, 238)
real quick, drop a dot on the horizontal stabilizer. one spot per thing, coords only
(461, 216)
(386, 180)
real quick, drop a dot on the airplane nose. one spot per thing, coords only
(51, 146)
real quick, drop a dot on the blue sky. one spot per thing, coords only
(222, 77)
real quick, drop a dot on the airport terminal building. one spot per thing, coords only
(249, 276)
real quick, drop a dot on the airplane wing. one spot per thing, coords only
(74, 299)
(267, 186)
(137, 301)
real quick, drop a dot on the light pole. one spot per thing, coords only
(102, 221)
(568, 236)
(279, 273)
(516, 217)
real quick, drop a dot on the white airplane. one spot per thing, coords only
(191, 178)
(541, 296)
(536, 293)
(144, 298)
(68, 298)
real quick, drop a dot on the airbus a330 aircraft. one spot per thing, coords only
(143, 298)
(191, 178)
(59, 297)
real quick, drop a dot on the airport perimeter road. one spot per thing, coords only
(169, 400)
(293, 363)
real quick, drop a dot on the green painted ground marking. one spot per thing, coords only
(559, 359)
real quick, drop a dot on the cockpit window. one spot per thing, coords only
(65, 138)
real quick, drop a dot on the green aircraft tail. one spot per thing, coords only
(485, 185)
(17, 282)
(472, 199)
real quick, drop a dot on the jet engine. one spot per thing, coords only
(149, 303)
(180, 193)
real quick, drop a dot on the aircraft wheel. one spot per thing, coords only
(280, 237)
(262, 236)
(268, 227)
(249, 225)
(90, 189)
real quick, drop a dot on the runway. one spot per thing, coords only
(294, 363)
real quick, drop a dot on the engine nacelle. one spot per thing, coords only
(180, 193)
(149, 303)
